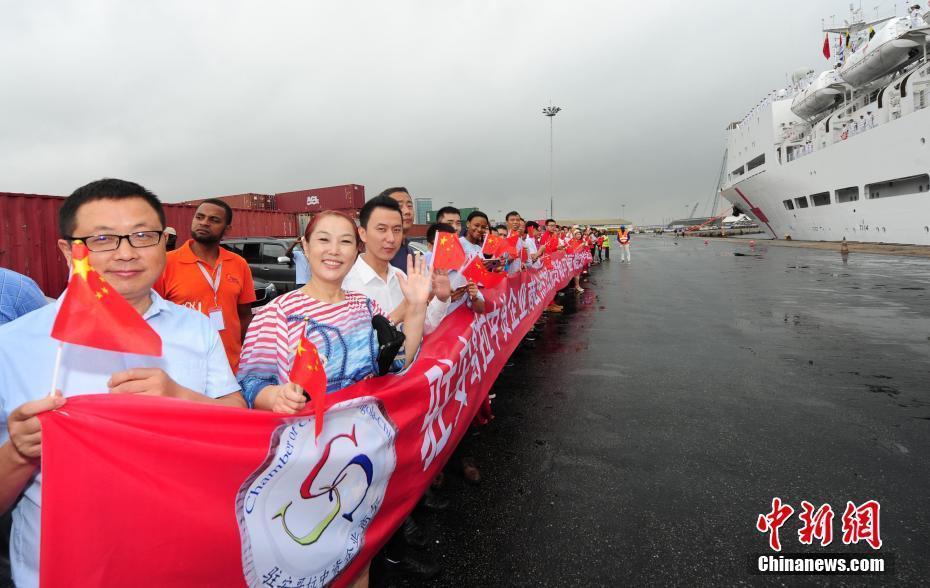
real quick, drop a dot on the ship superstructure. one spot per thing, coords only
(843, 153)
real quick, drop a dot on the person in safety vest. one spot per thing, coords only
(623, 237)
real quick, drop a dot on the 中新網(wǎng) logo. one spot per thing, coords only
(304, 512)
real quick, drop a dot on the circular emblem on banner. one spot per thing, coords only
(304, 512)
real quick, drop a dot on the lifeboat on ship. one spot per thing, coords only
(818, 96)
(890, 48)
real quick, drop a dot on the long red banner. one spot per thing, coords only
(159, 492)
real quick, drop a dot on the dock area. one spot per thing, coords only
(642, 432)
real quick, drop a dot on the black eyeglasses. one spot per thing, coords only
(139, 239)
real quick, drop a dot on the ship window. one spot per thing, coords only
(755, 162)
(802, 202)
(847, 194)
(788, 204)
(737, 172)
(821, 199)
(898, 187)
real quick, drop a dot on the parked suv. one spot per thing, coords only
(267, 256)
(265, 292)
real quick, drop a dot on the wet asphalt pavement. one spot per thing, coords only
(641, 434)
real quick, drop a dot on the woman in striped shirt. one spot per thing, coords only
(338, 323)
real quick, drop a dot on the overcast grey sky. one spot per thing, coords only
(205, 98)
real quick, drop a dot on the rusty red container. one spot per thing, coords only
(250, 201)
(29, 234)
(348, 196)
(29, 237)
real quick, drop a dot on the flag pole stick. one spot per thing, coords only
(61, 345)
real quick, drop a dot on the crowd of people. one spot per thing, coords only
(363, 285)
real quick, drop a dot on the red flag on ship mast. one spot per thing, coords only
(826, 46)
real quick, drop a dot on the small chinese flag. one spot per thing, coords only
(308, 373)
(531, 231)
(476, 272)
(552, 244)
(523, 255)
(508, 246)
(448, 253)
(547, 261)
(491, 243)
(95, 315)
(826, 46)
(572, 246)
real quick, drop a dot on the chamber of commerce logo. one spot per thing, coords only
(304, 512)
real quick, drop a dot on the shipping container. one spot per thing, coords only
(29, 240)
(304, 218)
(245, 223)
(250, 201)
(416, 231)
(29, 234)
(349, 196)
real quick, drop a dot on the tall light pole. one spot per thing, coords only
(550, 111)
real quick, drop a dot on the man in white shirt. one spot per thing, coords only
(381, 229)
(452, 216)
(463, 290)
(532, 250)
(515, 226)
(301, 264)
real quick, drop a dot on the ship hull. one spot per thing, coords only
(898, 149)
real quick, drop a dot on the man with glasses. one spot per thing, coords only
(122, 225)
(211, 279)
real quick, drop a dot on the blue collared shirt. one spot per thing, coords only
(192, 355)
(18, 295)
(301, 266)
(400, 258)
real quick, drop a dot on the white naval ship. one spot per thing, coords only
(842, 154)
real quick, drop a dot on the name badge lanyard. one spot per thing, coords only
(216, 313)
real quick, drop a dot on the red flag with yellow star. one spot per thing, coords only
(552, 243)
(508, 246)
(543, 240)
(448, 253)
(491, 244)
(94, 314)
(308, 373)
(476, 272)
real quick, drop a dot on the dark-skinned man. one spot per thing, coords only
(211, 279)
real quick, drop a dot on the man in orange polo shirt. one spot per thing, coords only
(215, 281)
